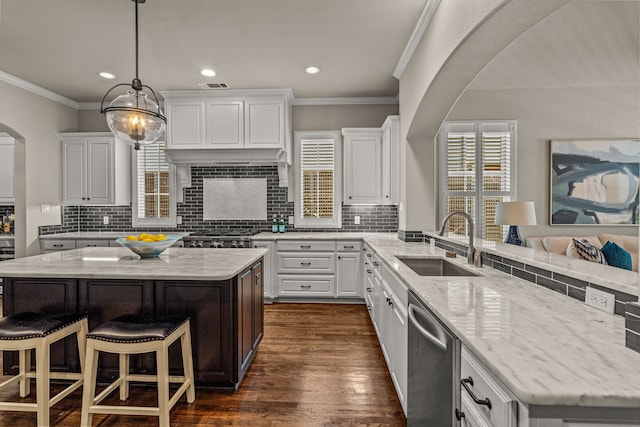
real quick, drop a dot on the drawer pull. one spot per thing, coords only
(305, 286)
(56, 245)
(375, 263)
(469, 381)
(305, 263)
(368, 271)
(369, 255)
(348, 247)
(305, 246)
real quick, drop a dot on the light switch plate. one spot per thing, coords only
(356, 219)
(105, 220)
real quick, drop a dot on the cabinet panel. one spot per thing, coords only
(45, 296)
(212, 326)
(265, 124)
(349, 246)
(73, 171)
(7, 161)
(93, 243)
(306, 262)
(100, 173)
(225, 124)
(268, 280)
(291, 285)
(57, 245)
(348, 274)
(362, 166)
(305, 245)
(185, 124)
(258, 304)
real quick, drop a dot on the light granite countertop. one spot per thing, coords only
(109, 235)
(546, 348)
(121, 263)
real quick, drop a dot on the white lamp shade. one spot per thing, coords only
(515, 213)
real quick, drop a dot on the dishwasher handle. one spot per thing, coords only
(423, 331)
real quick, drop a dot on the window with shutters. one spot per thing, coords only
(318, 182)
(476, 172)
(153, 189)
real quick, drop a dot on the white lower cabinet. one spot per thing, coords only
(267, 266)
(388, 309)
(348, 261)
(318, 269)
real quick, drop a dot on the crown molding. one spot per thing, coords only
(347, 101)
(418, 31)
(30, 87)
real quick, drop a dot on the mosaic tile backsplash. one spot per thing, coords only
(373, 218)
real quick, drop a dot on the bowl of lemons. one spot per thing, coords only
(147, 245)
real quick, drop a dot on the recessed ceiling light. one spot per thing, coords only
(106, 75)
(208, 73)
(312, 70)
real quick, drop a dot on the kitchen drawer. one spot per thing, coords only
(322, 263)
(103, 243)
(504, 407)
(349, 246)
(291, 285)
(57, 245)
(306, 245)
(396, 284)
(472, 416)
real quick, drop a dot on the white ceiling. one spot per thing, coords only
(61, 45)
(584, 44)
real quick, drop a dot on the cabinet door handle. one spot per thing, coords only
(305, 286)
(305, 246)
(469, 381)
(368, 289)
(459, 414)
(305, 263)
(349, 196)
(339, 257)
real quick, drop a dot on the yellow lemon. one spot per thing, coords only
(142, 236)
(160, 236)
(132, 237)
(147, 239)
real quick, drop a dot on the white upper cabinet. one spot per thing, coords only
(371, 164)
(185, 124)
(391, 160)
(7, 162)
(362, 165)
(225, 124)
(265, 124)
(95, 169)
(229, 119)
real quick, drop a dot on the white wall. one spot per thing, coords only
(35, 122)
(557, 113)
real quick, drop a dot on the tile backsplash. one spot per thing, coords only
(373, 218)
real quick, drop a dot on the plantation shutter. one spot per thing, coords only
(152, 182)
(477, 167)
(317, 178)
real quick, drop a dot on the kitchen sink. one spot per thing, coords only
(435, 267)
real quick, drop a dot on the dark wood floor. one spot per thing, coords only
(318, 365)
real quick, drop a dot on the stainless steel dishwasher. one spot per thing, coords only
(433, 389)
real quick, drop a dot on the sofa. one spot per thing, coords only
(563, 245)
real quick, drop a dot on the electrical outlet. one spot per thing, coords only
(601, 300)
(290, 219)
(179, 219)
(356, 219)
(105, 220)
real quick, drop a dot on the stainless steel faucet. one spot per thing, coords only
(474, 257)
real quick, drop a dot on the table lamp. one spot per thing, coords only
(514, 214)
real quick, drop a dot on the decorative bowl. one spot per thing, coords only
(147, 249)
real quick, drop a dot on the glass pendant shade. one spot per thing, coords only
(135, 118)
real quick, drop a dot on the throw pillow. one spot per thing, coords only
(589, 252)
(616, 255)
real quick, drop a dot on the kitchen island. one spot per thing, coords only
(221, 290)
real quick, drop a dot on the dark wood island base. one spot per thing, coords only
(226, 318)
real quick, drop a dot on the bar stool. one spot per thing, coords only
(23, 332)
(133, 334)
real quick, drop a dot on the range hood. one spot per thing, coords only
(232, 156)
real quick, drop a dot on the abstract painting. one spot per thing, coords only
(594, 182)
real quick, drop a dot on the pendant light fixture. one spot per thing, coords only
(134, 117)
